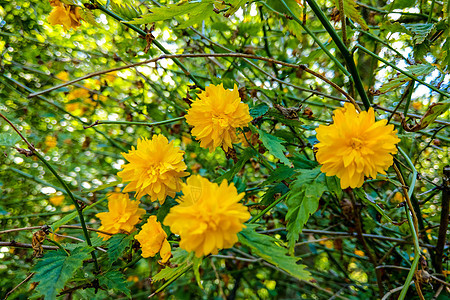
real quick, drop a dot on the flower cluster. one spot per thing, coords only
(155, 168)
(122, 216)
(153, 239)
(63, 14)
(215, 116)
(208, 217)
(355, 146)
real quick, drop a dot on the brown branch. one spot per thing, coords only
(17, 286)
(22, 245)
(62, 226)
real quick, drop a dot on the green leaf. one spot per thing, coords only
(361, 194)
(274, 145)
(269, 195)
(234, 6)
(279, 174)
(295, 8)
(419, 32)
(302, 201)
(182, 260)
(126, 10)
(56, 268)
(66, 219)
(9, 140)
(434, 111)
(114, 280)
(197, 262)
(268, 248)
(117, 244)
(259, 110)
(400, 79)
(88, 16)
(197, 12)
(351, 11)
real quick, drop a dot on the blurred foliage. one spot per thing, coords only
(412, 35)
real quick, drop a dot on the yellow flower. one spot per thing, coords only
(63, 75)
(417, 105)
(359, 253)
(208, 217)
(123, 214)
(153, 239)
(78, 93)
(215, 115)
(355, 146)
(154, 168)
(56, 200)
(66, 15)
(50, 141)
(398, 197)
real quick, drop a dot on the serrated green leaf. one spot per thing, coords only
(181, 258)
(269, 195)
(259, 110)
(126, 10)
(268, 248)
(56, 268)
(400, 79)
(8, 140)
(88, 16)
(302, 201)
(114, 280)
(361, 194)
(351, 11)
(274, 146)
(419, 31)
(234, 6)
(279, 174)
(117, 244)
(434, 111)
(196, 11)
(291, 25)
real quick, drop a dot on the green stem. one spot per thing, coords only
(59, 246)
(75, 202)
(431, 12)
(314, 37)
(264, 211)
(415, 262)
(345, 53)
(358, 46)
(155, 42)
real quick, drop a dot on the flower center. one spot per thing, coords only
(356, 143)
(220, 120)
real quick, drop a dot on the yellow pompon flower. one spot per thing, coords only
(155, 168)
(355, 146)
(63, 75)
(66, 15)
(122, 216)
(79, 93)
(50, 141)
(56, 200)
(215, 115)
(208, 217)
(153, 239)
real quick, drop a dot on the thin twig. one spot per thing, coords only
(17, 286)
